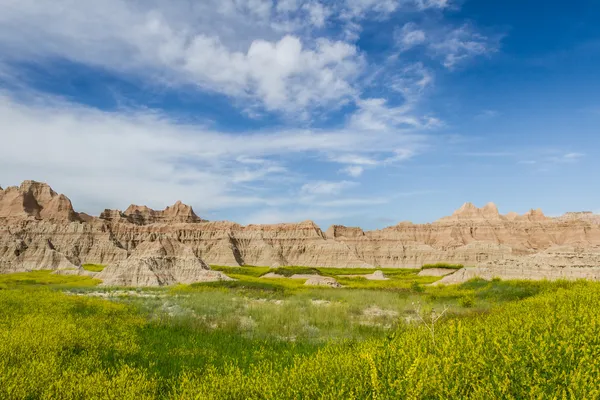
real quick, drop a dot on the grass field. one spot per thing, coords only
(259, 338)
(93, 267)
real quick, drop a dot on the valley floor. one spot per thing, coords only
(274, 338)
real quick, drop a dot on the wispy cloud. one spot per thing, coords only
(547, 160)
(353, 170)
(273, 57)
(410, 36)
(137, 150)
(289, 60)
(567, 158)
(488, 154)
(326, 188)
(487, 114)
(452, 46)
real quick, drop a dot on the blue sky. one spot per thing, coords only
(357, 112)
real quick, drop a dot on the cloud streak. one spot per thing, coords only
(111, 158)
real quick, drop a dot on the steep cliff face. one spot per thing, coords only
(40, 229)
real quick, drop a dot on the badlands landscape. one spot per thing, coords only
(163, 304)
(40, 230)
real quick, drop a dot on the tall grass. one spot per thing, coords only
(59, 346)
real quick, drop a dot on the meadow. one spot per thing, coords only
(62, 337)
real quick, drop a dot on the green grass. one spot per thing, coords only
(250, 277)
(44, 278)
(289, 271)
(443, 266)
(258, 338)
(537, 340)
(93, 267)
(247, 270)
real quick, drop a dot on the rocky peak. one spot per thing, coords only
(177, 213)
(490, 211)
(534, 215)
(511, 216)
(41, 191)
(134, 208)
(141, 215)
(180, 212)
(469, 211)
(112, 215)
(37, 200)
(466, 210)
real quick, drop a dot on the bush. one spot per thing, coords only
(467, 301)
(415, 287)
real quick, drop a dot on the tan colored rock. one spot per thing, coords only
(36, 200)
(176, 213)
(375, 276)
(159, 263)
(37, 256)
(317, 280)
(33, 214)
(273, 275)
(562, 262)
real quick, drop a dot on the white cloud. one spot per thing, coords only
(265, 55)
(353, 170)
(573, 156)
(317, 13)
(279, 72)
(358, 8)
(488, 154)
(425, 4)
(260, 51)
(109, 159)
(453, 46)
(410, 36)
(487, 114)
(353, 159)
(461, 44)
(548, 159)
(374, 114)
(412, 81)
(326, 188)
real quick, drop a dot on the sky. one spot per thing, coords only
(355, 112)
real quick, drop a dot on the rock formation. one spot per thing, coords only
(160, 262)
(40, 230)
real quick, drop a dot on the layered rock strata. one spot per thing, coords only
(40, 230)
(161, 262)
